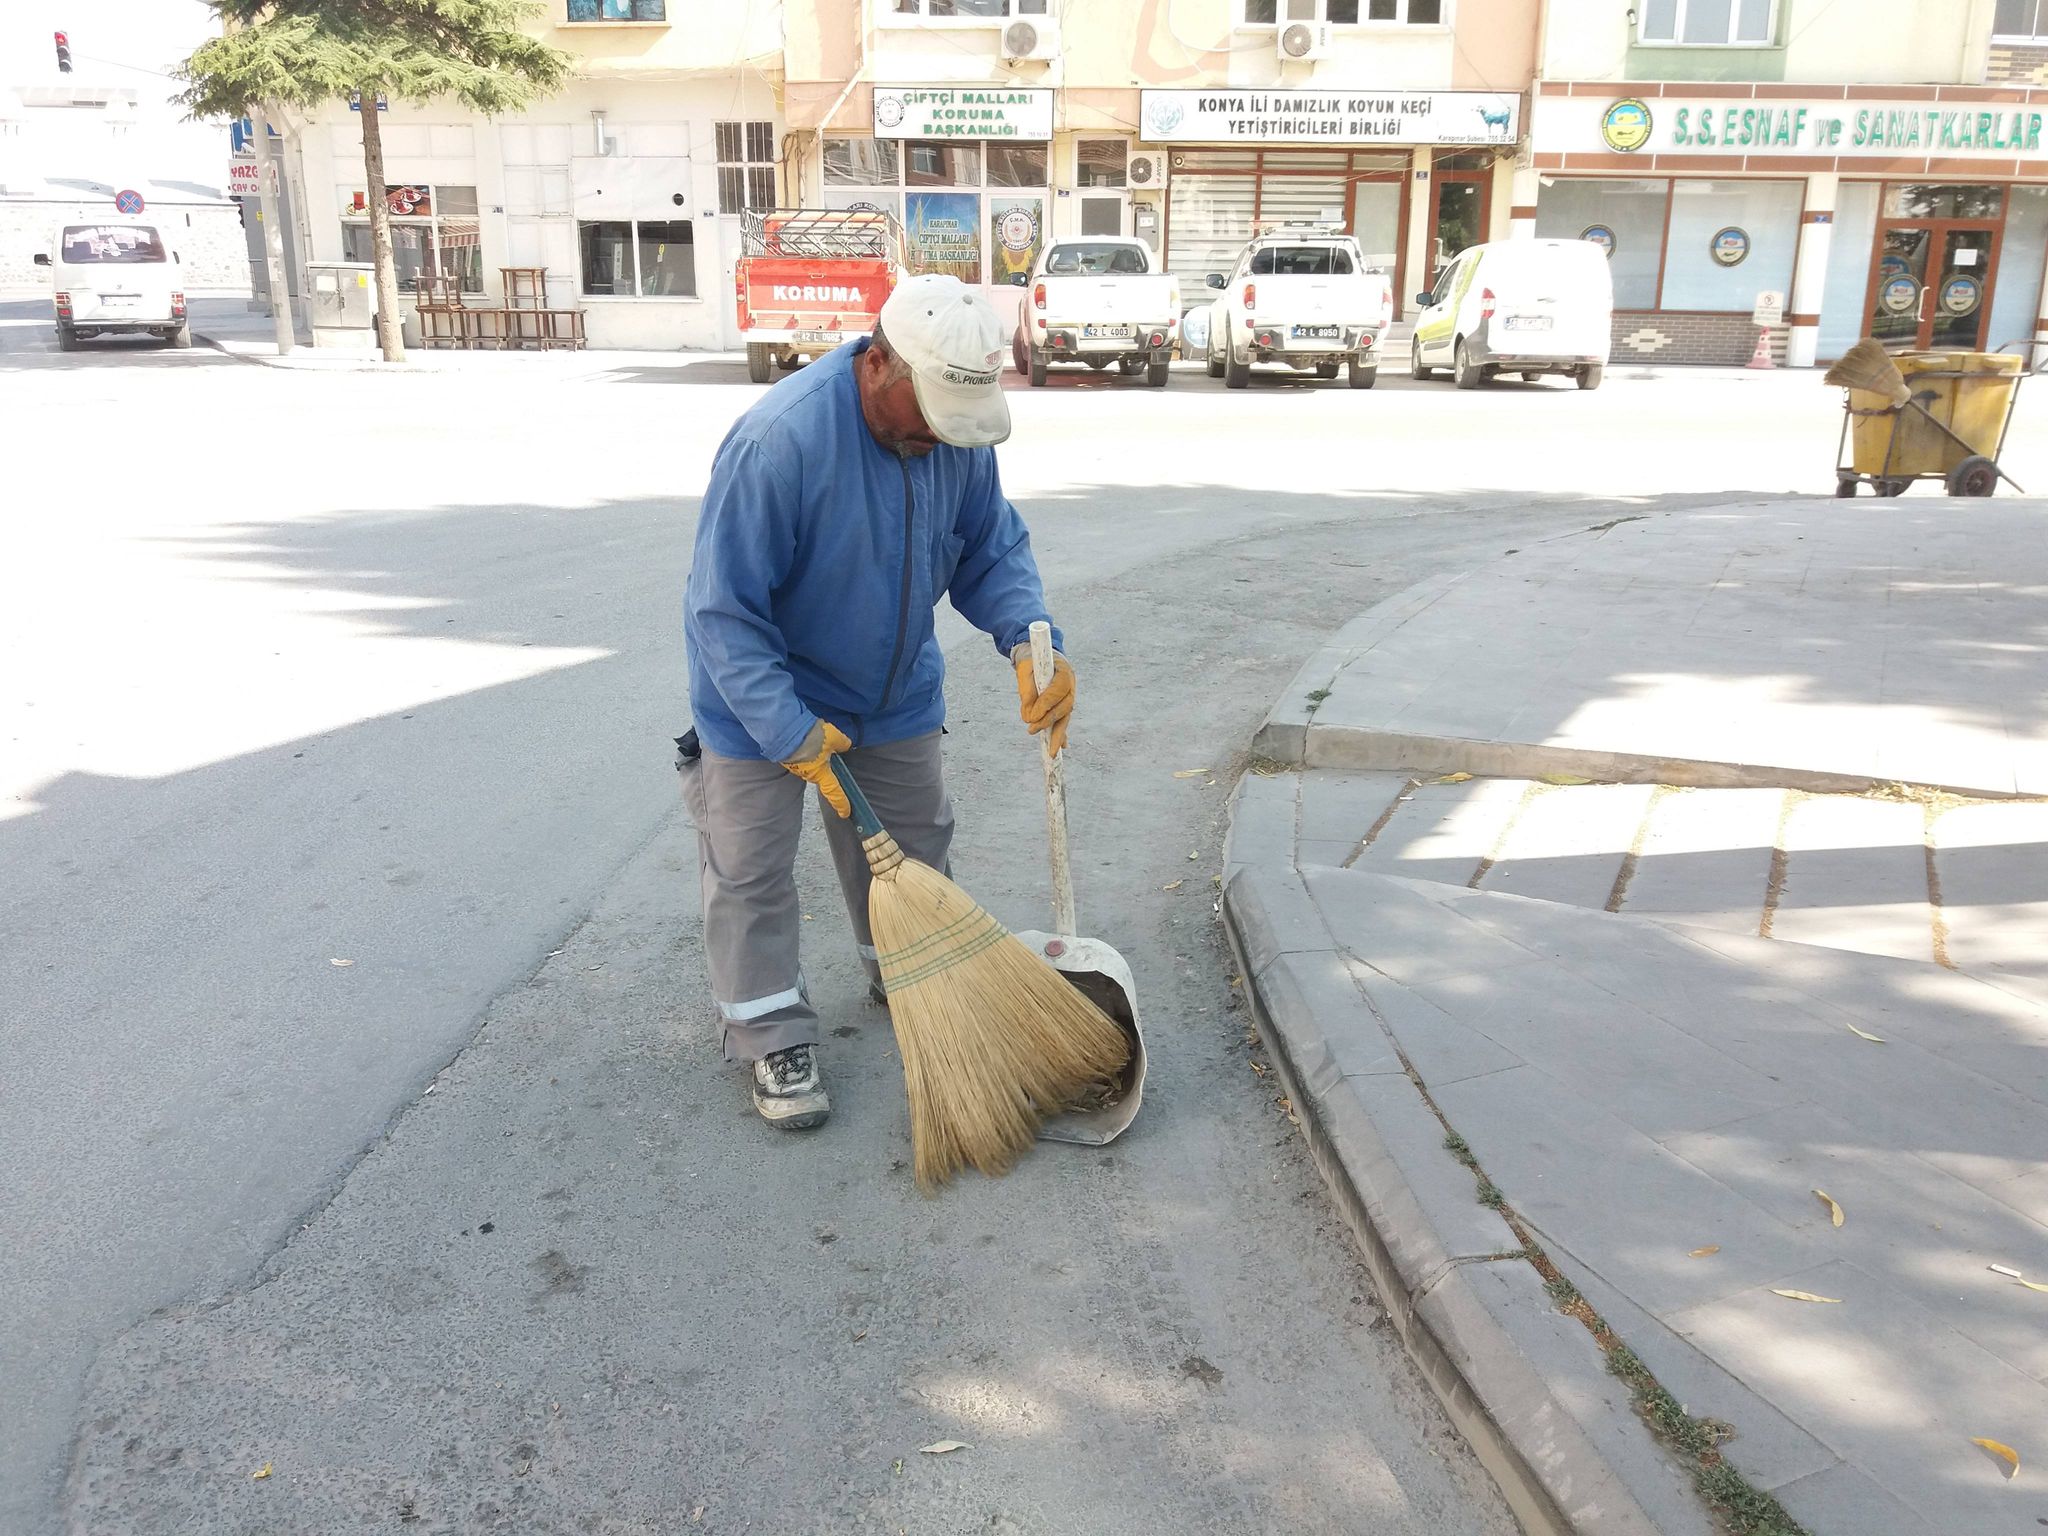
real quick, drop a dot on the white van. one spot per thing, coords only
(1518, 306)
(116, 278)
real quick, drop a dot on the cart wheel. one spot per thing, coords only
(1975, 476)
(1845, 486)
(1890, 487)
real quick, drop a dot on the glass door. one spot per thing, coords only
(1956, 315)
(1932, 286)
(1376, 221)
(1460, 219)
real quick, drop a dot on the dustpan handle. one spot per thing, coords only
(865, 821)
(1063, 919)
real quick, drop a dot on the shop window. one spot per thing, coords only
(2016, 294)
(746, 167)
(1347, 13)
(1624, 217)
(1709, 23)
(1101, 163)
(2021, 21)
(1017, 165)
(1730, 241)
(1844, 317)
(1912, 200)
(942, 233)
(930, 163)
(624, 258)
(862, 163)
(434, 230)
(618, 10)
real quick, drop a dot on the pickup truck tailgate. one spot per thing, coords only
(1111, 300)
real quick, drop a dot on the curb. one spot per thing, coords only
(1516, 1377)
(1292, 737)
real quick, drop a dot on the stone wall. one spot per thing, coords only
(1653, 336)
(207, 236)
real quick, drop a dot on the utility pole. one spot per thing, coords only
(269, 173)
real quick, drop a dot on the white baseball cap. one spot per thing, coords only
(954, 344)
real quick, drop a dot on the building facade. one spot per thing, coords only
(628, 187)
(1877, 167)
(1883, 167)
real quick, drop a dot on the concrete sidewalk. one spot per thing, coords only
(1576, 1058)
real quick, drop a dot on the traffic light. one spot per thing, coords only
(63, 52)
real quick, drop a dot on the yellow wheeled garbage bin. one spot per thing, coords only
(1952, 429)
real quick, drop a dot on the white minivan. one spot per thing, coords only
(116, 278)
(1518, 306)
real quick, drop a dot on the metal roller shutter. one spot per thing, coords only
(1208, 220)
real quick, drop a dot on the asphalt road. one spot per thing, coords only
(362, 1107)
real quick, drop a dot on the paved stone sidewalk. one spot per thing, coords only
(1575, 1057)
(1962, 883)
(1813, 643)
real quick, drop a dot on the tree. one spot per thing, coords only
(305, 53)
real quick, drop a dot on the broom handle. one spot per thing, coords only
(865, 821)
(1063, 920)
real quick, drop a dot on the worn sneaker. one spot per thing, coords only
(789, 1091)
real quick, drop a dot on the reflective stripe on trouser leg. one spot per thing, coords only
(906, 784)
(748, 817)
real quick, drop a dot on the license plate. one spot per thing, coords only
(1104, 332)
(119, 300)
(1317, 332)
(819, 338)
(1528, 322)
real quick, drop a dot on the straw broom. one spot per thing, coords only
(1868, 367)
(994, 1041)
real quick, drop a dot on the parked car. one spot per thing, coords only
(1518, 306)
(1098, 301)
(1300, 295)
(116, 279)
(810, 279)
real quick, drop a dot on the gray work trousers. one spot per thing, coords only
(748, 816)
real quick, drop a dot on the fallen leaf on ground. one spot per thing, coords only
(343, 964)
(1191, 773)
(264, 1471)
(1833, 1301)
(1865, 1035)
(1452, 778)
(1705, 1253)
(2003, 1452)
(1834, 1209)
(2035, 1285)
(697, 1513)
(898, 1468)
(944, 1447)
(1564, 778)
(1176, 885)
(1194, 853)
(859, 1336)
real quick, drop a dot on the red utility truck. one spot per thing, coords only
(812, 278)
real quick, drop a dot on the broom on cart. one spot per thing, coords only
(994, 1041)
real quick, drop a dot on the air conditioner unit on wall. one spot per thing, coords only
(1145, 171)
(1300, 41)
(1037, 38)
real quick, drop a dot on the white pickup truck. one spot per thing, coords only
(1300, 295)
(1098, 301)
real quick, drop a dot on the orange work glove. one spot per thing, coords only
(813, 763)
(1054, 706)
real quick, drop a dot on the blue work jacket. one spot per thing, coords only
(820, 557)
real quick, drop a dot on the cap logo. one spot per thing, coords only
(953, 375)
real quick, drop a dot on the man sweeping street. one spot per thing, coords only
(841, 508)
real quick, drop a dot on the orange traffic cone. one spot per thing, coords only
(1761, 357)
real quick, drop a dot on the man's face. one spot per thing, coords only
(890, 405)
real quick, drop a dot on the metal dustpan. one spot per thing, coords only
(1091, 965)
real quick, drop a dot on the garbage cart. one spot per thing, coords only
(1952, 429)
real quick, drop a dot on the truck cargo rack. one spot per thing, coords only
(824, 234)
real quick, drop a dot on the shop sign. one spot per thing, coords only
(1730, 246)
(1231, 116)
(942, 233)
(936, 113)
(245, 178)
(1960, 295)
(1899, 293)
(1681, 125)
(1015, 225)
